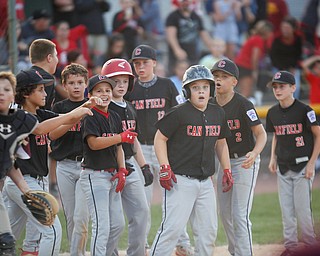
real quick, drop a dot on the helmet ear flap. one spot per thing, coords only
(186, 92)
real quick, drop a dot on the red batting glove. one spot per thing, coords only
(128, 136)
(166, 175)
(227, 180)
(121, 176)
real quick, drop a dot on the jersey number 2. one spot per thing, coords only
(299, 141)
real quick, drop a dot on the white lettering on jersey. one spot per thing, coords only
(252, 115)
(197, 131)
(312, 116)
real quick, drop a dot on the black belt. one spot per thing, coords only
(110, 170)
(147, 142)
(35, 176)
(236, 155)
(200, 178)
(75, 158)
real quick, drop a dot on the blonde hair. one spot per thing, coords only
(7, 75)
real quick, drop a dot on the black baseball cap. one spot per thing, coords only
(41, 13)
(226, 66)
(144, 52)
(31, 77)
(282, 77)
(97, 79)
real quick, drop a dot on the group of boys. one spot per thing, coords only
(129, 124)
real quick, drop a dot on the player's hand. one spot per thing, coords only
(78, 113)
(227, 180)
(272, 165)
(93, 101)
(310, 170)
(130, 168)
(166, 175)
(147, 174)
(249, 161)
(121, 176)
(128, 136)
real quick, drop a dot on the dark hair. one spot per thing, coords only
(112, 40)
(40, 49)
(73, 55)
(74, 69)
(291, 21)
(22, 92)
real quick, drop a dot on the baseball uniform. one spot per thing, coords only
(292, 128)
(67, 150)
(95, 178)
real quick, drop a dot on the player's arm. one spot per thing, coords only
(97, 143)
(160, 147)
(310, 168)
(261, 140)
(53, 123)
(17, 178)
(222, 151)
(273, 158)
(120, 157)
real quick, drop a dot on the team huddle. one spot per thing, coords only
(118, 133)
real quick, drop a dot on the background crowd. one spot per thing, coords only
(261, 36)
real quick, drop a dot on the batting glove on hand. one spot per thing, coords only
(147, 174)
(227, 180)
(166, 175)
(121, 176)
(128, 136)
(130, 168)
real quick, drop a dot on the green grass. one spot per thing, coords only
(265, 218)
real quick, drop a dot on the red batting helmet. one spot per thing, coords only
(115, 67)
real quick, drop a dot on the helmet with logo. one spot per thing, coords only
(194, 73)
(115, 67)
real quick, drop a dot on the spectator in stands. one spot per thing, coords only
(286, 50)
(218, 52)
(67, 39)
(225, 15)
(184, 28)
(249, 56)
(128, 23)
(37, 26)
(311, 71)
(179, 70)
(152, 22)
(116, 49)
(90, 14)
(64, 10)
(276, 11)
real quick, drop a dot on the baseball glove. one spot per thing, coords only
(43, 206)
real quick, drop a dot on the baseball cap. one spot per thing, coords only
(282, 77)
(31, 77)
(226, 66)
(41, 13)
(97, 79)
(144, 52)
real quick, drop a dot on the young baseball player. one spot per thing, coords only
(152, 97)
(67, 151)
(245, 144)
(104, 167)
(294, 151)
(133, 197)
(31, 95)
(14, 127)
(185, 144)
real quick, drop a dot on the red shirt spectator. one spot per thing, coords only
(276, 11)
